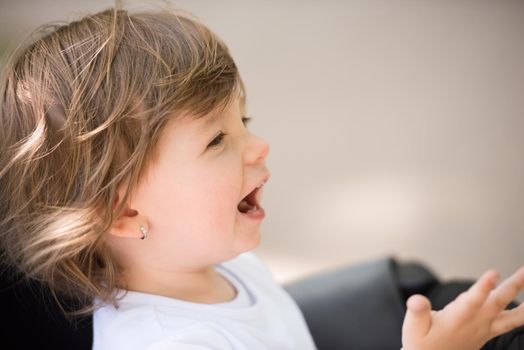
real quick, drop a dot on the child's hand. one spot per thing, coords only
(469, 321)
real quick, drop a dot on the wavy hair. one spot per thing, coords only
(82, 106)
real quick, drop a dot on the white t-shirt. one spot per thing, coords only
(261, 317)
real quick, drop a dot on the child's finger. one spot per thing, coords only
(479, 292)
(507, 290)
(508, 320)
(418, 318)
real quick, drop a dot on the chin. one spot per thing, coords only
(251, 243)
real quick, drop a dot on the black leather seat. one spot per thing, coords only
(353, 307)
(31, 319)
(362, 306)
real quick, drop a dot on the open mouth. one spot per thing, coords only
(249, 206)
(250, 202)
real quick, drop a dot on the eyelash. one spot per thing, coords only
(218, 140)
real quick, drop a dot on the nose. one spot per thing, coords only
(258, 150)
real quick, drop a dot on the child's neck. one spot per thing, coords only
(205, 287)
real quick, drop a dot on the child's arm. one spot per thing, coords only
(469, 321)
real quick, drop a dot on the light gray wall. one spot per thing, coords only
(395, 126)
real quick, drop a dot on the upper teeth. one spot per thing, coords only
(262, 184)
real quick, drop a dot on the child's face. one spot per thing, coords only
(190, 196)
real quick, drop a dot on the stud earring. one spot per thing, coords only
(144, 232)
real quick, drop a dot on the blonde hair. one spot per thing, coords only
(82, 108)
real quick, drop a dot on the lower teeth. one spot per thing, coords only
(255, 208)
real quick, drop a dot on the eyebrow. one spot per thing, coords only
(208, 122)
(216, 116)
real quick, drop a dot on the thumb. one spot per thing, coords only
(418, 319)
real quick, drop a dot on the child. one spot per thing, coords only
(130, 182)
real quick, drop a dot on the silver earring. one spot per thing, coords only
(144, 232)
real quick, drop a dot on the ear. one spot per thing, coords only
(127, 225)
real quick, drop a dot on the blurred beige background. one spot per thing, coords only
(396, 126)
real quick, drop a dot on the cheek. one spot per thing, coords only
(195, 201)
(208, 202)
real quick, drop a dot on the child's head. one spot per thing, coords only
(117, 121)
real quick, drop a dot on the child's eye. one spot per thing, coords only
(220, 137)
(246, 120)
(217, 140)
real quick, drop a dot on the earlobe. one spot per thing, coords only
(130, 224)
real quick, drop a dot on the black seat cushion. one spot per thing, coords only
(354, 307)
(362, 306)
(31, 319)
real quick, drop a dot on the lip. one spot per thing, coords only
(256, 215)
(264, 179)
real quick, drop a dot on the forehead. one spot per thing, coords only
(187, 125)
(235, 108)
